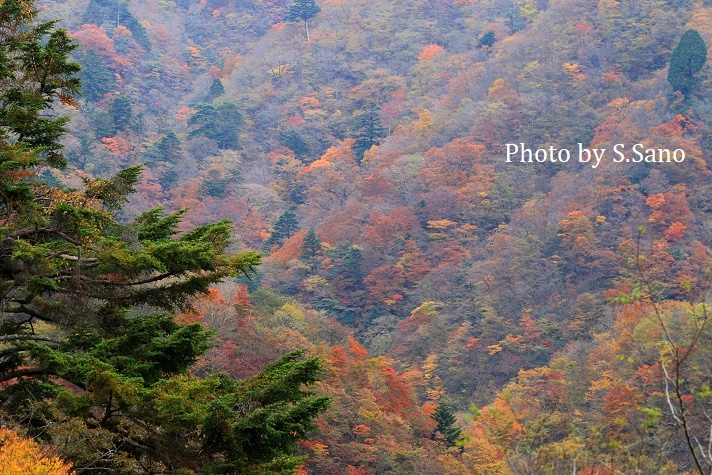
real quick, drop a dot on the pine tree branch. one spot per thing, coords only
(21, 308)
(80, 260)
(33, 232)
(20, 337)
(22, 372)
(14, 349)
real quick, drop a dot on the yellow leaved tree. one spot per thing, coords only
(20, 456)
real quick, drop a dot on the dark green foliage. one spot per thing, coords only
(151, 347)
(368, 130)
(213, 425)
(215, 184)
(154, 225)
(48, 178)
(302, 10)
(261, 419)
(103, 125)
(344, 314)
(120, 112)
(97, 79)
(216, 88)
(286, 226)
(34, 71)
(687, 60)
(84, 152)
(311, 247)
(487, 39)
(169, 178)
(295, 188)
(114, 191)
(296, 143)
(446, 423)
(348, 261)
(219, 123)
(169, 147)
(515, 20)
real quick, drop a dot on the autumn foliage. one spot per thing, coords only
(20, 456)
(422, 266)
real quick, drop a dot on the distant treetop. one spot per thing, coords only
(303, 10)
(687, 60)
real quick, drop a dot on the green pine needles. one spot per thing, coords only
(446, 423)
(91, 359)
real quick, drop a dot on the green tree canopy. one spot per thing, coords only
(216, 88)
(687, 60)
(169, 147)
(348, 264)
(311, 247)
(219, 123)
(446, 423)
(97, 79)
(34, 72)
(296, 143)
(368, 129)
(487, 39)
(286, 226)
(215, 184)
(303, 10)
(121, 112)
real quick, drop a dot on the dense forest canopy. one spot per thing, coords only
(459, 314)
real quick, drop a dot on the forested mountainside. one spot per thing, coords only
(474, 315)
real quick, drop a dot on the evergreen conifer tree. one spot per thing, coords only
(296, 143)
(303, 10)
(487, 39)
(219, 123)
(311, 248)
(515, 20)
(348, 261)
(92, 359)
(369, 130)
(96, 76)
(687, 60)
(121, 112)
(286, 226)
(446, 423)
(169, 147)
(216, 88)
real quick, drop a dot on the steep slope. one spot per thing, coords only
(369, 163)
